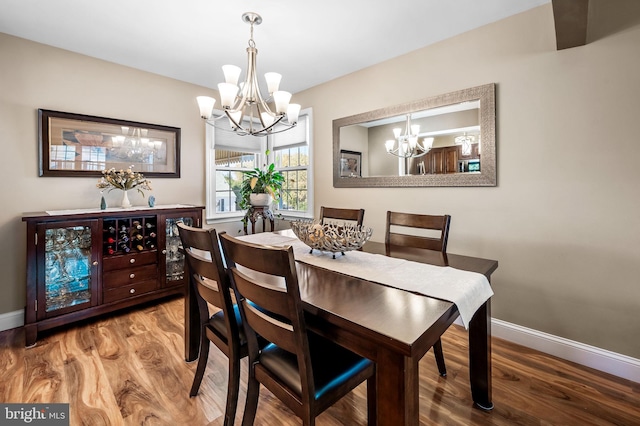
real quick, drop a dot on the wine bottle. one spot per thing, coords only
(111, 230)
(139, 247)
(110, 250)
(111, 240)
(123, 228)
(138, 237)
(152, 234)
(136, 224)
(149, 225)
(150, 244)
(124, 238)
(125, 248)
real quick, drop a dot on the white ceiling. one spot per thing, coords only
(307, 42)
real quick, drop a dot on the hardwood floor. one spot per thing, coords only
(129, 370)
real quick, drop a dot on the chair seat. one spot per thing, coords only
(332, 364)
(216, 322)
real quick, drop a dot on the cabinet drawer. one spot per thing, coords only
(132, 290)
(128, 276)
(129, 260)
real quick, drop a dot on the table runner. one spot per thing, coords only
(468, 290)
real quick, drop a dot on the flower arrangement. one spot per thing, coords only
(124, 180)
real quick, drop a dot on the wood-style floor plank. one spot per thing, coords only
(129, 369)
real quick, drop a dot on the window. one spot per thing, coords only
(229, 155)
(229, 167)
(292, 156)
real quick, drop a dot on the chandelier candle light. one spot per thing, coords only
(408, 146)
(248, 112)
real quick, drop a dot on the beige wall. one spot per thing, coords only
(564, 220)
(36, 76)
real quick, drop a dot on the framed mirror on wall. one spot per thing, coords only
(445, 140)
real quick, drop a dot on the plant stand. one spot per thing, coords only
(256, 212)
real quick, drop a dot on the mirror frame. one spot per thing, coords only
(487, 175)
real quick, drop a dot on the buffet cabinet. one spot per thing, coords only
(81, 264)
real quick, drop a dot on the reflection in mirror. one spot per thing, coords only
(448, 140)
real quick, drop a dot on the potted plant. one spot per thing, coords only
(257, 181)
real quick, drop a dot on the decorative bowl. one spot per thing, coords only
(331, 237)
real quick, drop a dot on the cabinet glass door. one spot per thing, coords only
(68, 278)
(174, 258)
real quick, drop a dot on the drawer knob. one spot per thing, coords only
(164, 252)
(133, 290)
(95, 263)
(132, 261)
(132, 276)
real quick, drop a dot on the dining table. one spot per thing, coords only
(391, 326)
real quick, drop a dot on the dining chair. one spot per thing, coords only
(404, 223)
(223, 328)
(307, 372)
(354, 215)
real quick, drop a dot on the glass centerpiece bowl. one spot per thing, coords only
(334, 237)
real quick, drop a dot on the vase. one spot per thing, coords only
(125, 200)
(260, 199)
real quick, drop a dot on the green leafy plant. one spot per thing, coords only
(258, 181)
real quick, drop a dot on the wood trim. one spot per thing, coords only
(571, 19)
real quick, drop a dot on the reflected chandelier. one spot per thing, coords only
(248, 112)
(407, 143)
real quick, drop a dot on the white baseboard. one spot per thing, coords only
(589, 356)
(11, 320)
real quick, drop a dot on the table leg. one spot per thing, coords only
(397, 390)
(480, 357)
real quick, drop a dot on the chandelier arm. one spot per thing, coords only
(287, 127)
(395, 152)
(236, 124)
(243, 132)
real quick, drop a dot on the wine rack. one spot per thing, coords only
(129, 235)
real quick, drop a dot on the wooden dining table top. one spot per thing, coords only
(393, 317)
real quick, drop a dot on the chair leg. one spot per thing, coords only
(202, 364)
(372, 404)
(251, 405)
(437, 351)
(233, 388)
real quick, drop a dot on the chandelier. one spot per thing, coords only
(406, 145)
(243, 105)
(135, 145)
(465, 143)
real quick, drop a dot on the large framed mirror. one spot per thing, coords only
(445, 140)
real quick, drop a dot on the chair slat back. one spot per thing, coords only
(409, 220)
(266, 281)
(204, 260)
(355, 215)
